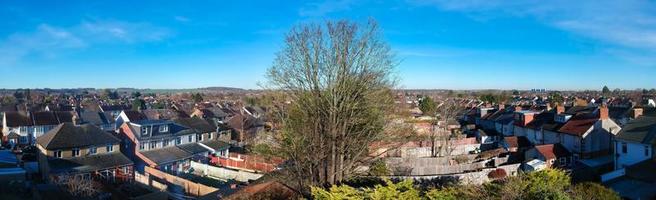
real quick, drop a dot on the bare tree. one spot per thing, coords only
(339, 80)
(446, 113)
(77, 185)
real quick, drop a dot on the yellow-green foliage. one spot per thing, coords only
(592, 191)
(546, 185)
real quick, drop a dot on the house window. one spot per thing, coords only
(93, 150)
(164, 128)
(646, 150)
(178, 140)
(76, 152)
(142, 147)
(58, 154)
(209, 136)
(199, 137)
(153, 145)
(144, 131)
(624, 148)
(190, 138)
(110, 148)
(165, 143)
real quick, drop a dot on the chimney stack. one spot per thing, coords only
(560, 109)
(603, 112)
(637, 112)
(518, 108)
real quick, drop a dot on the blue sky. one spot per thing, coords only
(452, 44)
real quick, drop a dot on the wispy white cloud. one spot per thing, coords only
(49, 41)
(618, 24)
(181, 18)
(326, 7)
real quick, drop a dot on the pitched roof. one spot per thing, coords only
(517, 141)
(640, 130)
(44, 118)
(89, 163)
(134, 115)
(67, 136)
(198, 124)
(551, 151)
(267, 190)
(164, 114)
(579, 124)
(541, 119)
(216, 144)
(193, 148)
(64, 116)
(166, 154)
(16, 119)
(107, 108)
(93, 117)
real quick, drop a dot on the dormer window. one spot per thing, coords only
(144, 131)
(163, 128)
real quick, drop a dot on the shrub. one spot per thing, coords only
(592, 191)
(497, 174)
(379, 168)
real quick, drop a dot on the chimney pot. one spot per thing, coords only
(560, 109)
(637, 112)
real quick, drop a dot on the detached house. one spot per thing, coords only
(84, 150)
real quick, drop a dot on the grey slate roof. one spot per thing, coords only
(198, 124)
(67, 136)
(16, 119)
(216, 144)
(193, 148)
(166, 155)
(89, 163)
(641, 130)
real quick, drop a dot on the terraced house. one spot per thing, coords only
(84, 150)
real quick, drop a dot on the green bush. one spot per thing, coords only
(379, 168)
(546, 184)
(592, 191)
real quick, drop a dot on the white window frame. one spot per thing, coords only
(109, 148)
(93, 150)
(142, 146)
(153, 145)
(165, 143)
(190, 138)
(178, 140)
(163, 128)
(57, 154)
(75, 152)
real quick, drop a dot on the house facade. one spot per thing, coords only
(162, 144)
(635, 142)
(84, 150)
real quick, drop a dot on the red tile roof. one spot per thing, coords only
(552, 151)
(578, 125)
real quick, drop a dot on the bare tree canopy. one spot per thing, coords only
(339, 77)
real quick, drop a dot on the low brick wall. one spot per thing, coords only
(476, 178)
